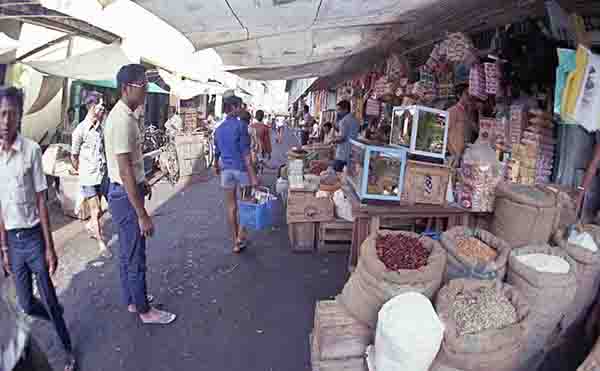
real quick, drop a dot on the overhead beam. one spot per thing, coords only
(42, 48)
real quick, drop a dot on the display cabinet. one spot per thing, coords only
(376, 172)
(422, 130)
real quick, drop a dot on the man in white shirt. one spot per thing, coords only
(128, 187)
(26, 243)
(87, 157)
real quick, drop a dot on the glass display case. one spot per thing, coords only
(423, 130)
(377, 173)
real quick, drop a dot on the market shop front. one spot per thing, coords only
(466, 247)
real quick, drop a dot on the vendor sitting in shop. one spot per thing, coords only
(463, 128)
(328, 134)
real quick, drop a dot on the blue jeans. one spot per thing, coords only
(132, 254)
(27, 255)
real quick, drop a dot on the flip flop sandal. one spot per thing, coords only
(240, 246)
(71, 364)
(106, 253)
(165, 318)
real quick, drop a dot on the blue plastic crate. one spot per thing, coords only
(256, 216)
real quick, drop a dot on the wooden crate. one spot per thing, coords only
(306, 207)
(302, 236)
(426, 183)
(190, 154)
(338, 341)
(334, 236)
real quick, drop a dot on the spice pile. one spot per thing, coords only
(474, 248)
(398, 251)
(481, 310)
(545, 263)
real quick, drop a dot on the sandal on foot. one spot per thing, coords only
(164, 318)
(240, 246)
(71, 364)
(106, 253)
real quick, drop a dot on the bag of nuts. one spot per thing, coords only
(497, 315)
(474, 253)
(372, 284)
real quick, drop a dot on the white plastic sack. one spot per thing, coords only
(343, 208)
(409, 334)
(583, 240)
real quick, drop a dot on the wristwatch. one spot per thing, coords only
(580, 188)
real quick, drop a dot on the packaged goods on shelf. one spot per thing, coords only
(492, 78)
(477, 85)
(423, 130)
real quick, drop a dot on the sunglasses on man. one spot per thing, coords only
(141, 85)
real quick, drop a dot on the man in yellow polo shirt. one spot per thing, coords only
(127, 189)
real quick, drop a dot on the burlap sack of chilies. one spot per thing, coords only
(525, 214)
(372, 284)
(492, 349)
(588, 275)
(549, 295)
(462, 267)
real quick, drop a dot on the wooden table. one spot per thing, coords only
(368, 218)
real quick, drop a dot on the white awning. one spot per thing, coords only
(99, 64)
(188, 89)
(277, 39)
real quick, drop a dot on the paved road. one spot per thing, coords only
(251, 312)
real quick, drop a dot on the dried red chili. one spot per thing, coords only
(317, 168)
(399, 251)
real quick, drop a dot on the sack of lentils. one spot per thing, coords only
(485, 326)
(546, 277)
(587, 256)
(392, 263)
(474, 253)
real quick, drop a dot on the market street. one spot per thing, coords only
(247, 312)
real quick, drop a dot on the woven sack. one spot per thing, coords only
(492, 349)
(524, 214)
(461, 267)
(588, 274)
(372, 284)
(549, 295)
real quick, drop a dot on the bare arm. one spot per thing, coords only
(76, 142)
(129, 182)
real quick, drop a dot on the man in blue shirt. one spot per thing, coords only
(234, 164)
(348, 129)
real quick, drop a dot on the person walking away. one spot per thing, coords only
(88, 158)
(26, 243)
(280, 128)
(263, 133)
(127, 189)
(234, 165)
(307, 124)
(349, 129)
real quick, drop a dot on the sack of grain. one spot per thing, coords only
(409, 334)
(524, 214)
(588, 273)
(486, 326)
(546, 277)
(372, 283)
(474, 253)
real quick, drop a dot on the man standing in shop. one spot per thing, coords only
(26, 243)
(127, 189)
(87, 157)
(348, 129)
(233, 163)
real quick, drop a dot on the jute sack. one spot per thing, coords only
(492, 349)
(549, 295)
(525, 214)
(372, 284)
(588, 274)
(462, 267)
